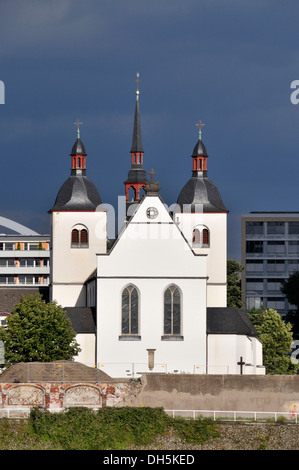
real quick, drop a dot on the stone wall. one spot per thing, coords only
(20, 397)
(276, 393)
(219, 392)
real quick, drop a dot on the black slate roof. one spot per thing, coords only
(226, 320)
(200, 195)
(137, 145)
(83, 319)
(78, 148)
(199, 149)
(77, 193)
(136, 175)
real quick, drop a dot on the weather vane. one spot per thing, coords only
(200, 124)
(77, 123)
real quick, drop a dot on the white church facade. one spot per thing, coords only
(155, 301)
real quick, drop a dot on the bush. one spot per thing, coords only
(195, 431)
(114, 428)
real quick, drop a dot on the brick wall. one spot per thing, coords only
(58, 396)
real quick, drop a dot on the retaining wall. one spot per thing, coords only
(179, 392)
(219, 392)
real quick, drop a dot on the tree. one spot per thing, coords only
(290, 288)
(234, 292)
(38, 331)
(276, 337)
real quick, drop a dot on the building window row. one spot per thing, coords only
(23, 246)
(272, 266)
(272, 228)
(24, 280)
(272, 247)
(130, 313)
(24, 262)
(257, 284)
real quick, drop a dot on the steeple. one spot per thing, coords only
(78, 154)
(199, 154)
(137, 175)
(78, 193)
(137, 146)
(200, 194)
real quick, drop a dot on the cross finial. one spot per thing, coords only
(152, 173)
(200, 124)
(77, 123)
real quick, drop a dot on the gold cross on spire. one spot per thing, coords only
(152, 173)
(77, 123)
(200, 124)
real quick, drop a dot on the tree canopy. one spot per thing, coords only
(38, 331)
(234, 291)
(290, 288)
(276, 337)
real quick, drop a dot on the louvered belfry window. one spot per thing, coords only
(79, 238)
(205, 236)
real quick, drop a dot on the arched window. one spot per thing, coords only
(201, 236)
(196, 236)
(79, 237)
(129, 317)
(75, 236)
(205, 236)
(172, 311)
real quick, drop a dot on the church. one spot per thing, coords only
(154, 299)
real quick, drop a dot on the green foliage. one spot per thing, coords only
(114, 428)
(234, 291)
(38, 331)
(290, 288)
(195, 431)
(276, 337)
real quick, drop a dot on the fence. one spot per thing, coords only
(258, 416)
(224, 416)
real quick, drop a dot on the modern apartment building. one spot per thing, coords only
(270, 253)
(24, 267)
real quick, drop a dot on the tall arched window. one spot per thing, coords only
(79, 237)
(129, 318)
(172, 311)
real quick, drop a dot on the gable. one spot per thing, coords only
(151, 244)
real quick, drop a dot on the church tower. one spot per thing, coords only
(136, 180)
(78, 232)
(202, 217)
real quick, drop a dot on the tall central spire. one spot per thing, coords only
(137, 146)
(137, 175)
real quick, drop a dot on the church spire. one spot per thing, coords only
(78, 154)
(199, 154)
(137, 146)
(137, 175)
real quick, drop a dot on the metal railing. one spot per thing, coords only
(217, 415)
(220, 415)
